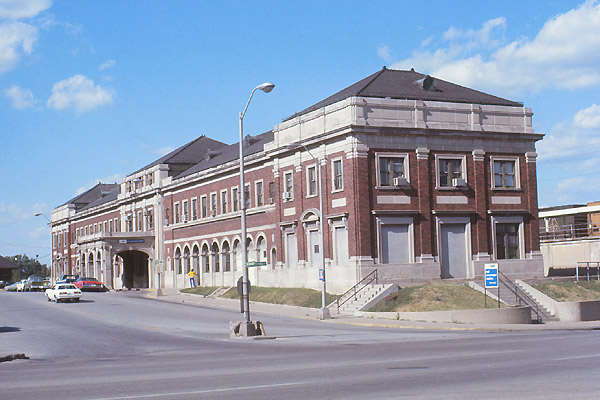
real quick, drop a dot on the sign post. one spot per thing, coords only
(491, 281)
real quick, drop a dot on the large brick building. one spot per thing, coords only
(422, 180)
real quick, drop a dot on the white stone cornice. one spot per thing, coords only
(478, 155)
(531, 157)
(422, 153)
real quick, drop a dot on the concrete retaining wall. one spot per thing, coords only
(575, 311)
(512, 315)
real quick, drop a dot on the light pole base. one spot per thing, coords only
(324, 313)
(245, 329)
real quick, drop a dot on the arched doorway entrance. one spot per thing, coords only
(135, 269)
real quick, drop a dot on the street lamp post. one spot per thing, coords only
(51, 256)
(324, 311)
(246, 327)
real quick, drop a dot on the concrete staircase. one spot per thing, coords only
(508, 297)
(220, 291)
(365, 298)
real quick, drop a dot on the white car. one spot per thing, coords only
(63, 292)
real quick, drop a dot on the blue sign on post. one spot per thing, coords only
(321, 274)
(491, 276)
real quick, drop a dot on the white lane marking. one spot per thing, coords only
(577, 357)
(145, 396)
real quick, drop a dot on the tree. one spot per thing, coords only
(27, 267)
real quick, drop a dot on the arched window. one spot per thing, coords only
(195, 256)
(250, 254)
(177, 260)
(237, 255)
(90, 266)
(261, 249)
(215, 257)
(186, 260)
(205, 258)
(273, 257)
(226, 257)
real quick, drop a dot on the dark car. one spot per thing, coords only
(89, 284)
(68, 279)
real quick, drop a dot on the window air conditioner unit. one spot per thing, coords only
(398, 181)
(287, 196)
(270, 200)
(184, 218)
(213, 213)
(458, 182)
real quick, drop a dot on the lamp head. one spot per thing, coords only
(266, 87)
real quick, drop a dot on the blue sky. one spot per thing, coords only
(93, 90)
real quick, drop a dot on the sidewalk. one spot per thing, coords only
(344, 319)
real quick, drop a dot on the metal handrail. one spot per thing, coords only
(587, 265)
(522, 297)
(353, 291)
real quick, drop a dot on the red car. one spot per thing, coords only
(89, 284)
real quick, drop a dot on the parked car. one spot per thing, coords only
(63, 292)
(34, 283)
(67, 279)
(3, 284)
(89, 284)
(21, 286)
(12, 287)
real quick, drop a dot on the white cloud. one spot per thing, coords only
(163, 151)
(588, 117)
(384, 53)
(107, 64)
(20, 98)
(10, 212)
(16, 39)
(15, 9)
(565, 53)
(80, 93)
(116, 178)
(478, 38)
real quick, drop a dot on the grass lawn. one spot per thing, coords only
(201, 290)
(290, 296)
(570, 291)
(434, 297)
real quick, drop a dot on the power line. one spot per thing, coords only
(23, 245)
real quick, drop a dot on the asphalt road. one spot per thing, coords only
(126, 346)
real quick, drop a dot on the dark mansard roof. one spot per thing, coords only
(409, 85)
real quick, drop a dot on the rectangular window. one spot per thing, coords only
(105, 226)
(110, 226)
(194, 209)
(258, 189)
(311, 181)
(176, 213)
(140, 221)
(450, 172)
(213, 204)
(184, 210)
(150, 180)
(507, 241)
(337, 175)
(235, 199)
(288, 186)
(167, 217)
(247, 195)
(203, 207)
(150, 217)
(271, 192)
(505, 174)
(224, 208)
(392, 171)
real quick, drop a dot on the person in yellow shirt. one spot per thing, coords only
(191, 274)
